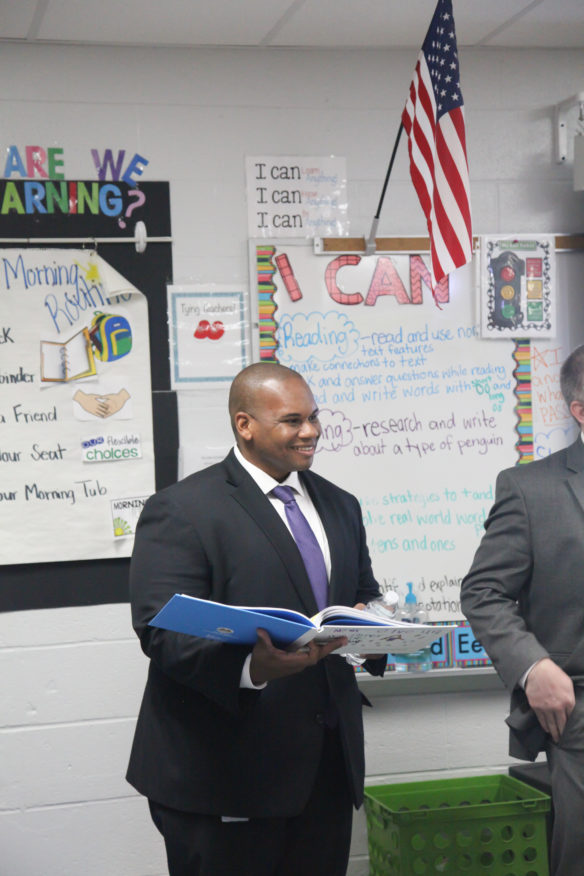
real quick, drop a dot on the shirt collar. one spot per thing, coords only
(266, 482)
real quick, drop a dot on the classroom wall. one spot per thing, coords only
(72, 678)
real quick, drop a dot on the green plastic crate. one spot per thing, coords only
(478, 826)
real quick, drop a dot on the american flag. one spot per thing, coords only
(433, 119)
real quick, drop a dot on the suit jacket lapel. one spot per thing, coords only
(575, 463)
(246, 492)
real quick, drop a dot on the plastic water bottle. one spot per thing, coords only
(385, 606)
(418, 661)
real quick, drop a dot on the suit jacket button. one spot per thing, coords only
(319, 718)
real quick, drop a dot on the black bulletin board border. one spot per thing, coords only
(94, 582)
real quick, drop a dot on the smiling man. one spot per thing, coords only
(252, 758)
(275, 419)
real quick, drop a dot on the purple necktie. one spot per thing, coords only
(307, 545)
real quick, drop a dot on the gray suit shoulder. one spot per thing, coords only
(547, 466)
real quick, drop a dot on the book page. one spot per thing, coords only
(346, 614)
(53, 366)
(395, 639)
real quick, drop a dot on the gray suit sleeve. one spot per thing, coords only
(498, 578)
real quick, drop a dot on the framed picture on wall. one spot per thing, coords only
(518, 286)
(208, 334)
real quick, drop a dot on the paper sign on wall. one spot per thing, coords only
(517, 286)
(296, 196)
(74, 362)
(208, 335)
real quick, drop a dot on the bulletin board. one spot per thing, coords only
(60, 578)
(418, 412)
(76, 459)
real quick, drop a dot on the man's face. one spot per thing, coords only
(282, 429)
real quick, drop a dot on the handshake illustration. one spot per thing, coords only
(102, 405)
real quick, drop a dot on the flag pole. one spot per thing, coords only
(370, 245)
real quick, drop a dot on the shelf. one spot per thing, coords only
(481, 678)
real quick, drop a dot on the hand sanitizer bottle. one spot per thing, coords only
(418, 661)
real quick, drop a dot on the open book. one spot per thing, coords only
(366, 632)
(67, 360)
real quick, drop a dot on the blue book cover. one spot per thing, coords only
(229, 623)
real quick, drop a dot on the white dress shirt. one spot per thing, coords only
(266, 483)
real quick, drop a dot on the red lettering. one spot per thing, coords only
(288, 277)
(386, 281)
(330, 278)
(420, 273)
(73, 198)
(35, 156)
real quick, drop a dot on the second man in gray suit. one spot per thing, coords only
(524, 598)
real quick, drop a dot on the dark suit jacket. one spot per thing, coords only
(523, 595)
(202, 743)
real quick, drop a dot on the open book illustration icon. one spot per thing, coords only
(67, 360)
(366, 633)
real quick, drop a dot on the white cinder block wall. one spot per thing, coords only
(72, 678)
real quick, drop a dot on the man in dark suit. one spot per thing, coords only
(251, 758)
(524, 598)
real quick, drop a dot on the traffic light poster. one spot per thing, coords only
(517, 286)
